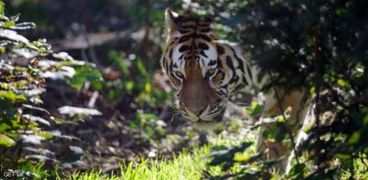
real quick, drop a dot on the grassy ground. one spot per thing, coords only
(191, 166)
(186, 165)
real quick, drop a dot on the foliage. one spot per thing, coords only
(26, 128)
(139, 85)
(242, 164)
(316, 45)
(320, 46)
(122, 87)
(85, 74)
(148, 126)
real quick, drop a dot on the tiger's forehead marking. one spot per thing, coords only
(194, 49)
(210, 57)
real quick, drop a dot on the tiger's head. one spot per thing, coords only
(191, 61)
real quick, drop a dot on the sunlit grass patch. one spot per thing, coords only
(192, 166)
(186, 165)
(183, 166)
(360, 170)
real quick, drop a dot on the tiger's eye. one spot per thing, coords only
(179, 74)
(211, 71)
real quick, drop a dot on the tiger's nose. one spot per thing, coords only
(196, 109)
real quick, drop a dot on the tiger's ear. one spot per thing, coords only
(171, 19)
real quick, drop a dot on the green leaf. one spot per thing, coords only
(118, 59)
(297, 171)
(9, 24)
(148, 87)
(129, 85)
(341, 11)
(364, 114)
(141, 68)
(354, 138)
(115, 90)
(84, 74)
(63, 121)
(254, 108)
(343, 83)
(11, 97)
(6, 141)
(4, 127)
(1, 7)
(44, 134)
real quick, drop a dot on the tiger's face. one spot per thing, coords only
(191, 61)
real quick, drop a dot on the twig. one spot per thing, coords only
(90, 48)
(283, 124)
(93, 99)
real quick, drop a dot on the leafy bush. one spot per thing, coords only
(317, 45)
(135, 79)
(26, 128)
(237, 164)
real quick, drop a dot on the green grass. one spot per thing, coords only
(184, 166)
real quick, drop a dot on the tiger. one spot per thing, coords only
(205, 71)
